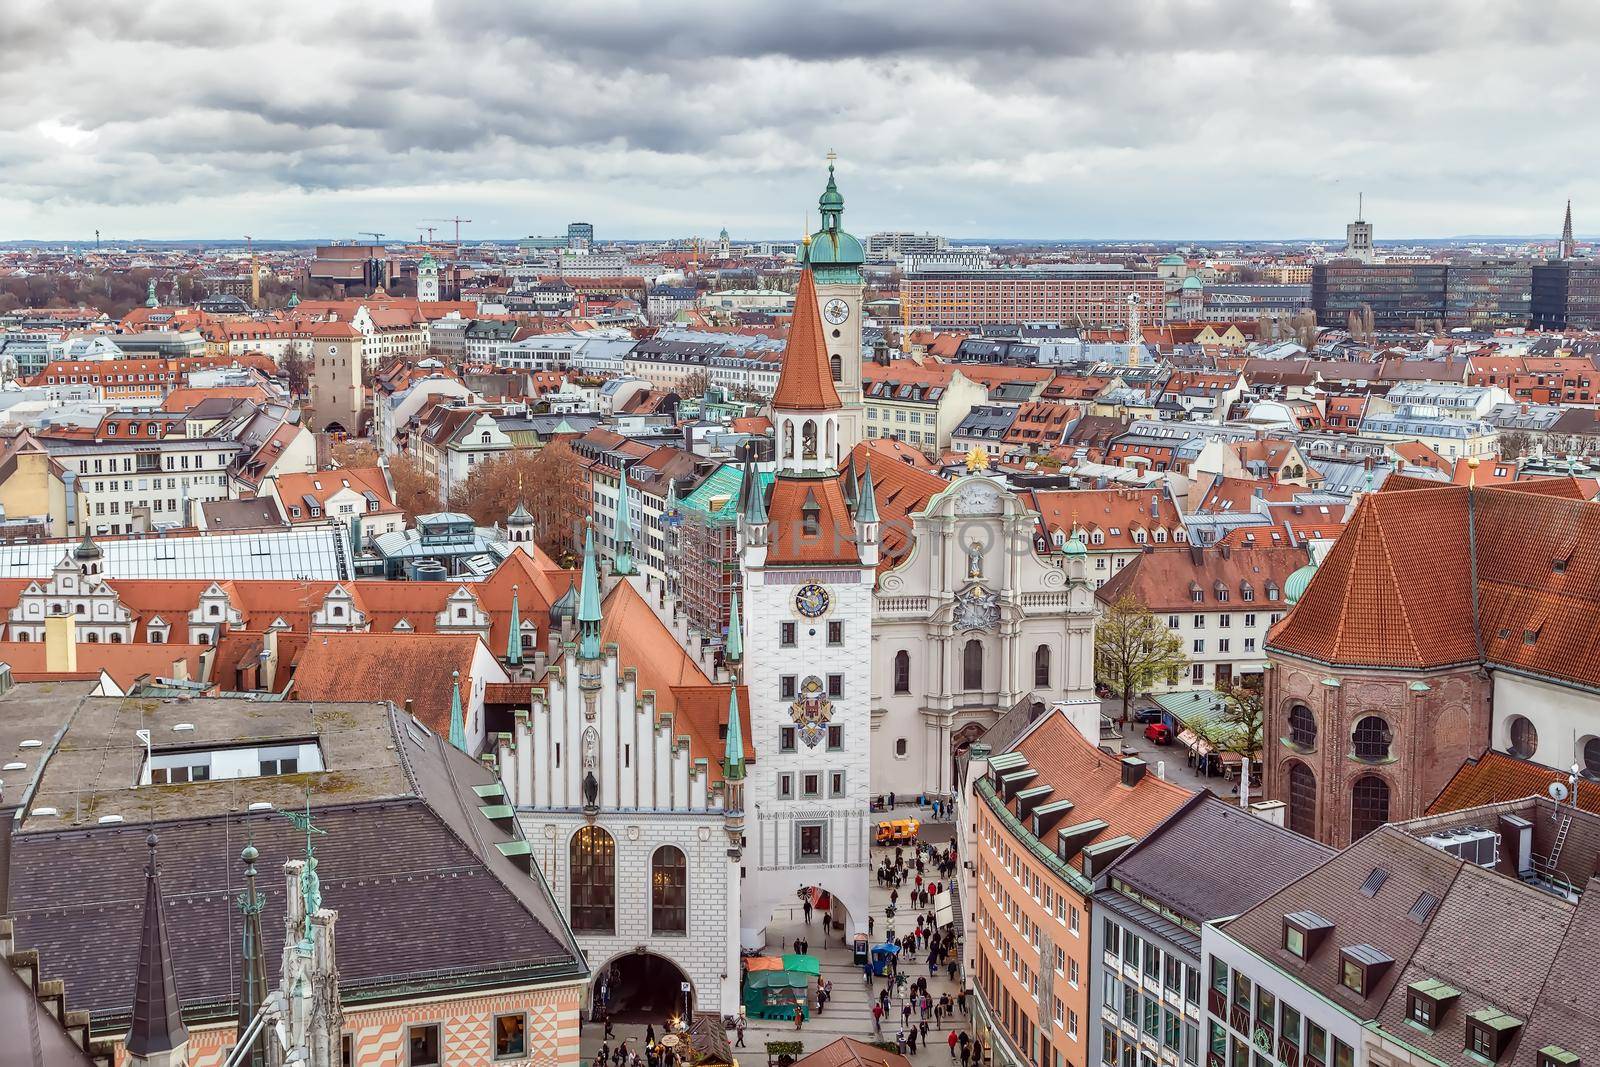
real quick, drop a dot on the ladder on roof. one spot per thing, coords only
(1561, 839)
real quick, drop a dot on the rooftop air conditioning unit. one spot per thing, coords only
(1474, 844)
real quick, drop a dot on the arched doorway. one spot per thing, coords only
(641, 987)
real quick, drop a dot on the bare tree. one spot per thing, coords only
(1134, 650)
(1236, 728)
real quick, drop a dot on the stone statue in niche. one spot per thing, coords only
(975, 560)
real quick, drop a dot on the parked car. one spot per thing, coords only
(1147, 715)
(1158, 733)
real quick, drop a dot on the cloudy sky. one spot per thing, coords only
(1060, 118)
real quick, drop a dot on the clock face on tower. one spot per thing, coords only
(836, 311)
(812, 601)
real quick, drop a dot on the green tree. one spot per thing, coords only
(1133, 650)
(1237, 727)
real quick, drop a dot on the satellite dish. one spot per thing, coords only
(1558, 791)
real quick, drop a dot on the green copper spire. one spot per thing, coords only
(458, 724)
(622, 562)
(589, 603)
(733, 754)
(150, 300)
(514, 637)
(733, 651)
(294, 299)
(866, 498)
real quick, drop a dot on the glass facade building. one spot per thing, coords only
(1566, 295)
(1488, 294)
(1398, 293)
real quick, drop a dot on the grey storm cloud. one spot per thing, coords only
(1061, 118)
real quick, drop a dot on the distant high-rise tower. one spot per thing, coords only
(1569, 247)
(580, 236)
(1358, 237)
(428, 277)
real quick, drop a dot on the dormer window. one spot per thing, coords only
(1304, 932)
(1490, 1032)
(1426, 1002)
(1361, 968)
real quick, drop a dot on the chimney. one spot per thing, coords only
(1133, 769)
(61, 644)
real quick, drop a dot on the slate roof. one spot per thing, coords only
(405, 850)
(1214, 859)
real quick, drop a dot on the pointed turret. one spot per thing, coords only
(733, 751)
(150, 300)
(294, 300)
(867, 518)
(514, 633)
(589, 603)
(622, 562)
(156, 1034)
(806, 381)
(1569, 245)
(458, 723)
(755, 505)
(733, 650)
(866, 497)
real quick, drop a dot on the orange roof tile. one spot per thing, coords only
(1092, 780)
(806, 381)
(831, 540)
(1495, 777)
(387, 666)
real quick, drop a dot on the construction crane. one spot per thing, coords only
(430, 230)
(458, 220)
(377, 238)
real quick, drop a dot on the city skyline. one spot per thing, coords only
(1243, 122)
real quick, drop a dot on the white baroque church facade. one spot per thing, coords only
(972, 623)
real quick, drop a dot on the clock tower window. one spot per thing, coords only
(836, 364)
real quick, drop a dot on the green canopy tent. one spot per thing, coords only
(799, 964)
(775, 995)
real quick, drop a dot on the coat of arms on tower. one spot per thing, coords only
(811, 711)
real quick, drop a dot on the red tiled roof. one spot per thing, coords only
(1092, 780)
(788, 540)
(806, 381)
(1398, 588)
(387, 666)
(1495, 777)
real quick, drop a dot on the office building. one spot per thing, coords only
(1088, 294)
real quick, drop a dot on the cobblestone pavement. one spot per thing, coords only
(849, 1013)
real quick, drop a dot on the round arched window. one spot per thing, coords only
(1524, 737)
(1372, 738)
(1302, 727)
(1591, 757)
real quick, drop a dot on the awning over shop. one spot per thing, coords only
(944, 909)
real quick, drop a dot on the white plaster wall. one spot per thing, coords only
(1564, 718)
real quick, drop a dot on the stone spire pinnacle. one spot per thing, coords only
(157, 1024)
(589, 603)
(733, 649)
(622, 563)
(1569, 246)
(733, 752)
(514, 632)
(458, 723)
(252, 969)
